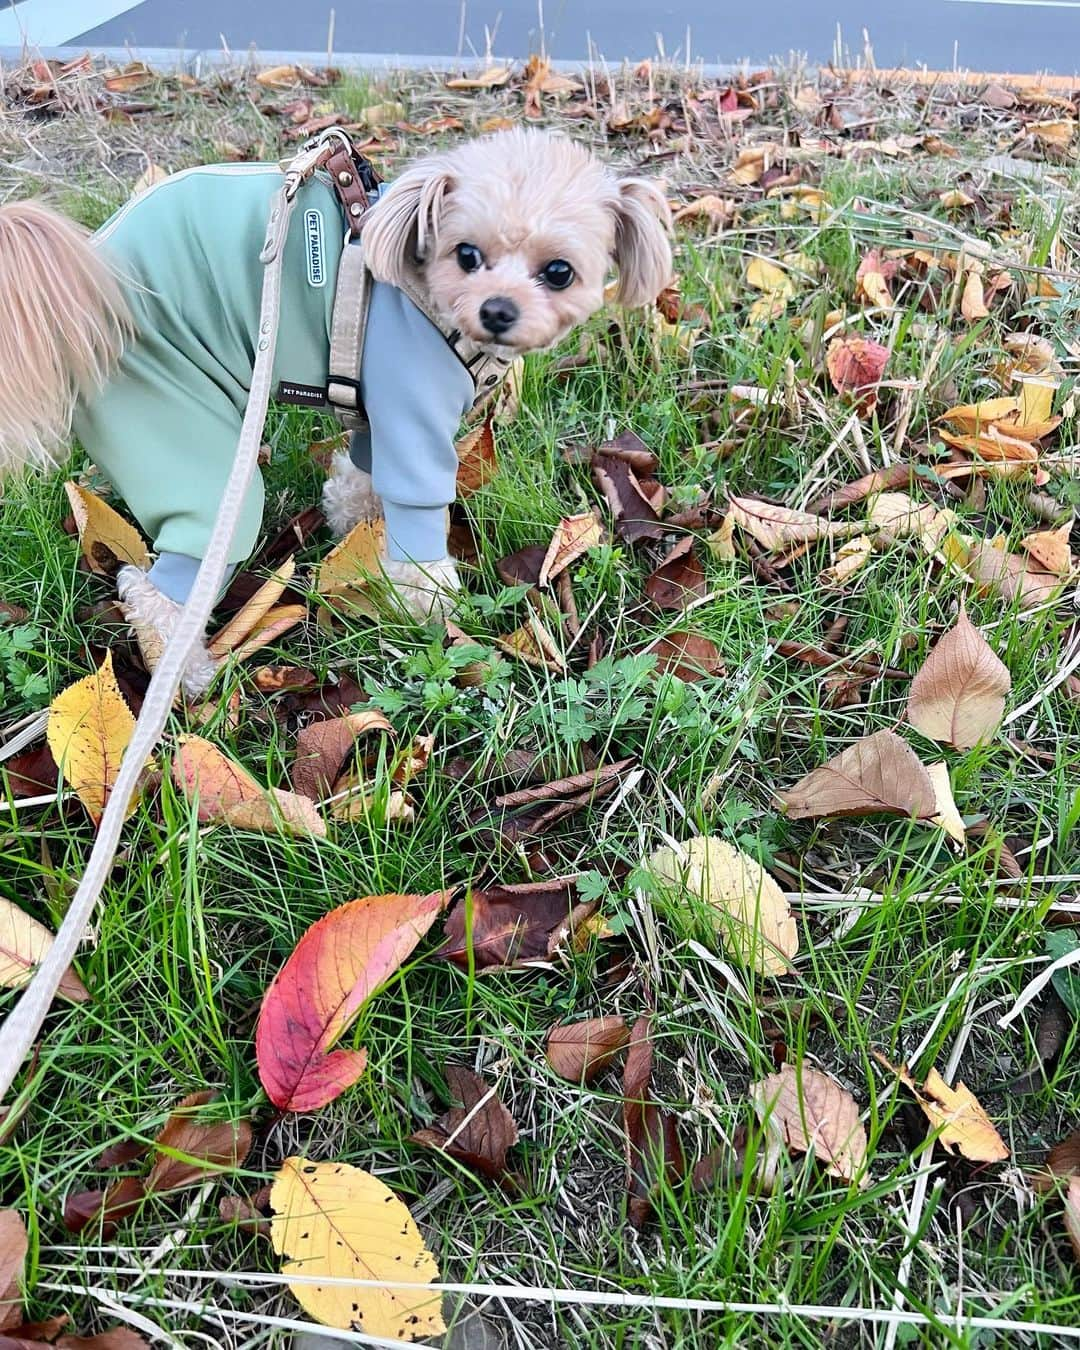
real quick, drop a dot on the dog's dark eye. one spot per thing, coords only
(558, 274)
(469, 257)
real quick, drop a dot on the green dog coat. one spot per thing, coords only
(164, 429)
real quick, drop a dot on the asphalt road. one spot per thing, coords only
(1000, 35)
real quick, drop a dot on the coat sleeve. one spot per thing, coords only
(415, 392)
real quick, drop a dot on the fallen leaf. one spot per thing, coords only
(1055, 133)
(972, 299)
(534, 810)
(1050, 549)
(811, 1113)
(962, 1124)
(1072, 1214)
(574, 537)
(776, 527)
(318, 993)
(898, 516)
(1064, 1158)
(382, 114)
(876, 774)
(357, 557)
(679, 578)
(688, 656)
(654, 1154)
(855, 366)
(880, 481)
(578, 1051)
(208, 1147)
(226, 794)
(479, 1132)
(324, 748)
(1011, 576)
(717, 211)
(872, 279)
(507, 927)
(135, 75)
(721, 543)
(246, 619)
(109, 1208)
(116, 1338)
(947, 816)
(23, 944)
(478, 460)
(958, 696)
(278, 77)
(335, 1220)
(274, 624)
(106, 539)
(14, 1246)
(768, 277)
(635, 518)
(851, 557)
(533, 643)
(753, 917)
(88, 730)
(491, 78)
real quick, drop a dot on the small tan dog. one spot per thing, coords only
(141, 338)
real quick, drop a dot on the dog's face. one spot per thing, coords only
(512, 237)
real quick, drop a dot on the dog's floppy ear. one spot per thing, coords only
(404, 225)
(642, 243)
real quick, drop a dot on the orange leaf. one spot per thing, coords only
(962, 1124)
(226, 794)
(210, 1146)
(855, 366)
(959, 694)
(1050, 549)
(336, 966)
(247, 619)
(477, 460)
(812, 1113)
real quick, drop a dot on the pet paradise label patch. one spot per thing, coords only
(316, 256)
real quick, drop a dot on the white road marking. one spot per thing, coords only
(51, 23)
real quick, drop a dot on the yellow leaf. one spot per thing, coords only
(105, 538)
(23, 944)
(766, 276)
(765, 309)
(273, 625)
(248, 618)
(1036, 402)
(335, 1220)
(973, 302)
(851, 557)
(721, 542)
(574, 537)
(278, 77)
(533, 643)
(1058, 134)
(753, 917)
(976, 417)
(491, 78)
(1050, 549)
(383, 114)
(876, 289)
(88, 730)
(357, 558)
(948, 817)
(898, 516)
(955, 200)
(150, 177)
(962, 1123)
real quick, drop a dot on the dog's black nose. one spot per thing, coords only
(498, 314)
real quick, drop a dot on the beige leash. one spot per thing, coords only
(23, 1023)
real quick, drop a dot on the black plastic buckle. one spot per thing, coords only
(367, 173)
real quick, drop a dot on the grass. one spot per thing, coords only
(908, 946)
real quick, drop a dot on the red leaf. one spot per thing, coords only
(690, 656)
(476, 1135)
(577, 1051)
(210, 1146)
(336, 966)
(653, 1150)
(855, 366)
(112, 1206)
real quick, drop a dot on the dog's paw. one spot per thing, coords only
(348, 496)
(425, 590)
(154, 617)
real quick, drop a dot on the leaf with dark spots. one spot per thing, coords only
(679, 578)
(207, 1147)
(111, 1206)
(506, 927)
(651, 1137)
(523, 567)
(32, 773)
(635, 518)
(690, 656)
(479, 1132)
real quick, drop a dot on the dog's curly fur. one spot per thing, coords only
(521, 198)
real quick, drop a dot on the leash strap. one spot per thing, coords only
(23, 1023)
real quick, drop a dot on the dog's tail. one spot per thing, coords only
(63, 321)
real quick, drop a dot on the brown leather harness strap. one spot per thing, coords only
(353, 178)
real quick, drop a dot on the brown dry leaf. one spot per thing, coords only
(533, 643)
(226, 794)
(1064, 1158)
(654, 1154)
(777, 527)
(897, 475)
(1050, 549)
(1072, 1214)
(718, 211)
(574, 537)
(23, 945)
(478, 461)
(14, 1246)
(635, 517)
(872, 280)
(274, 624)
(811, 1113)
(357, 557)
(251, 614)
(506, 927)
(135, 75)
(962, 1123)
(324, 748)
(855, 366)
(1011, 576)
(753, 917)
(106, 539)
(958, 696)
(577, 1051)
(534, 810)
(491, 78)
(88, 730)
(972, 300)
(721, 543)
(898, 516)
(279, 77)
(479, 1132)
(948, 817)
(679, 578)
(877, 774)
(111, 1207)
(996, 455)
(116, 1338)
(1055, 133)
(208, 1147)
(688, 656)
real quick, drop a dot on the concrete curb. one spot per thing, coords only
(176, 58)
